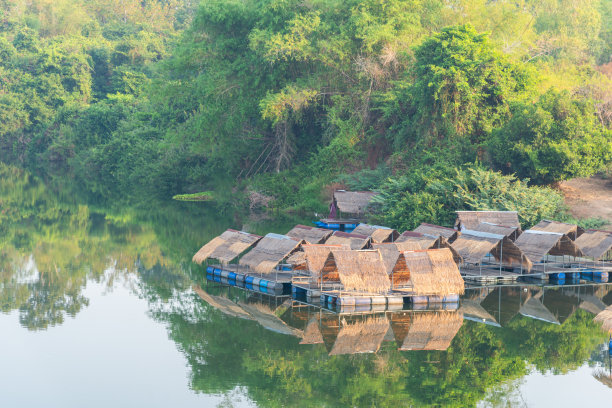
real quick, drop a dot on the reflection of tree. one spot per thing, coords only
(48, 303)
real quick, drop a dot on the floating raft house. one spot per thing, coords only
(269, 252)
(377, 233)
(537, 245)
(436, 230)
(353, 203)
(360, 271)
(596, 244)
(226, 247)
(353, 241)
(475, 246)
(571, 230)
(310, 235)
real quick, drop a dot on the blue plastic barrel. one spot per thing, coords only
(248, 280)
(209, 269)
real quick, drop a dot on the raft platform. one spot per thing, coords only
(234, 275)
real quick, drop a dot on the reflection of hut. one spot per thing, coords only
(354, 241)
(536, 245)
(475, 312)
(571, 230)
(222, 304)
(377, 233)
(561, 303)
(311, 235)
(269, 252)
(474, 246)
(312, 333)
(471, 219)
(596, 244)
(592, 304)
(330, 327)
(414, 241)
(353, 202)
(266, 318)
(436, 230)
(361, 271)
(430, 272)
(360, 336)
(534, 309)
(425, 330)
(226, 247)
(605, 318)
(504, 303)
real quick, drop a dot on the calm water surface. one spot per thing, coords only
(104, 308)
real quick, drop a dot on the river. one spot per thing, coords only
(103, 307)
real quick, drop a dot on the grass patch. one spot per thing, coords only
(203, 196)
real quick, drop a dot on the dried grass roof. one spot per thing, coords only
(537, 244)
(362, 336)
(312, 333)
(269, 252)
(226, 246)
(316, 255)
(433, 272)
(571, 230)
(311, 235)
(415, 241)
(362, 271)
(471, 219)
(354, 241)
(353, 202)
(377, 233)
(473, 246)
(594, 243)
(222, 304)
(605, 319)
(427, 330)
(430, 229)
(497, 229)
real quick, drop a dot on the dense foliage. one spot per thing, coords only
(279, 100)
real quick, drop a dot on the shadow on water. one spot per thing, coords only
(284, 353)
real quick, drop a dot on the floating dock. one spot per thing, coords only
(234, 275)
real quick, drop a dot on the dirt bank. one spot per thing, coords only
(589, 197)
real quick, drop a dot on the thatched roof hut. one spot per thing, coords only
(377, 233)
(353, 202)
(315, 257)
(426, 330)
(471, 219)
(354, 241)
(605, 318)
(311, 235)
(416, 241)
(361, 336)
(269, 252)
(474, 246)
(362, 271)
(571, 230)
(429, 272)
(537, 244)
(312, 333)
(596, 244)
(222, 304)
(430, 229)
(226, 247)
